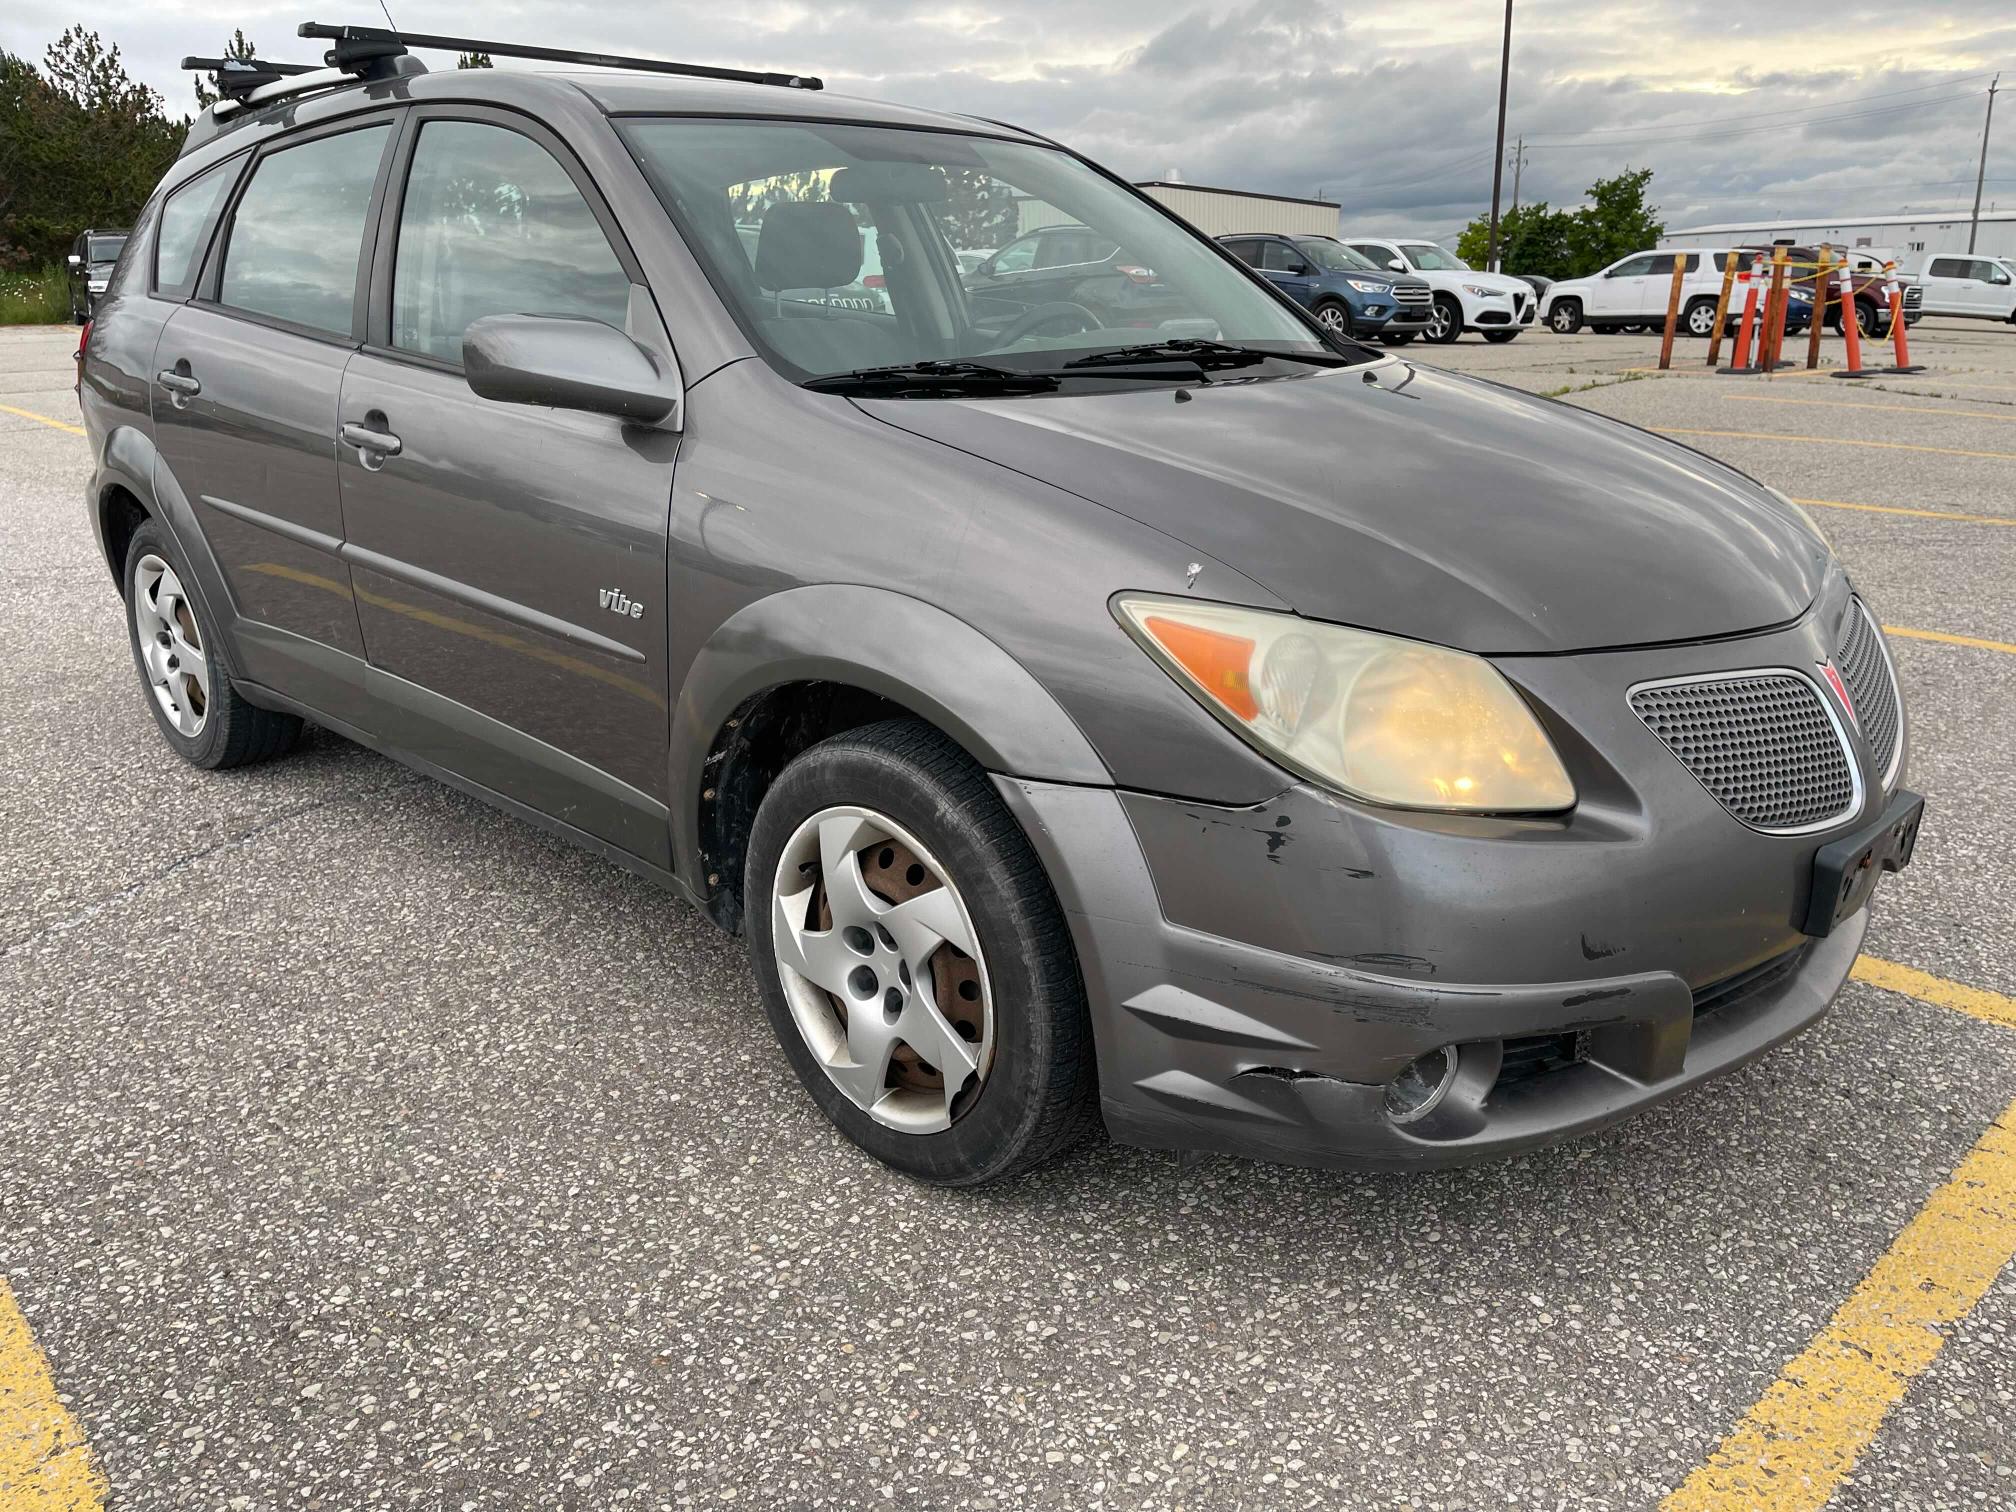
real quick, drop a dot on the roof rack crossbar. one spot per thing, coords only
(238, 77)
(361, 42)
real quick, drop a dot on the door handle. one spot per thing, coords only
(181, 383)
(373, 446)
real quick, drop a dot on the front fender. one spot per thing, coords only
(937, 666)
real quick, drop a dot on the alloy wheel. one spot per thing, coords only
(1701, 319)
(171, 648)
(1438, 322)
(882, 969)
(1333, 319)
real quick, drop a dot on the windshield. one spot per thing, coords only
(1433, 259)
(842, 248)
(104, 249)
(1334, 256)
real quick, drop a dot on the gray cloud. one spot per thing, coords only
(1386, 106)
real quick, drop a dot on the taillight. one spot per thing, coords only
(1135, 273)
(874, 281)
(83, 341)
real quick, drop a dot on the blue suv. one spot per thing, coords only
(1349, 294)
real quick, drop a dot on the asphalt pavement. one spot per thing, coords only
(363, 1148)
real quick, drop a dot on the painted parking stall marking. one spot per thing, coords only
(45, 1465)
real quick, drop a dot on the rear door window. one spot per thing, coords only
(491, 224)
(185, 214)
(298, 231)
(1947, 267)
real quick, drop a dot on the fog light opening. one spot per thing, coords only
(1416, 1091)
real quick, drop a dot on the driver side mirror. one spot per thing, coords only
(1396, 265)
(985, 269)
(74, 260)
(567, 362)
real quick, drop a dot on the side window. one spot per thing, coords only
(1994, 273)
(1064, 249)
(1016, 257)
(492, 225)
(1722, 262)
(1947, 267)
(299, 229)
(1381, 256)
(1248, 252)
(1279, 257)
(1661, 265)
(1634, 267)
(179, 246)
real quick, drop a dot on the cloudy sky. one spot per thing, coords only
(1385, 105)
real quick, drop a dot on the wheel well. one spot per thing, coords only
(120, 514)
(756, 743)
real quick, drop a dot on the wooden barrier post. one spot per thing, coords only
(1730, 262)
(1822, 280)
(1773, 338)
(1680, 261)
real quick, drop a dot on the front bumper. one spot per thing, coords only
(1258, 975)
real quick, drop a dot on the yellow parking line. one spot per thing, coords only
(1923, 514)
(1951, 640)
(1939, 992)
(1944, 451)
(62, 425)
(1793, 1449)
(1857, 404)
(45, 1465)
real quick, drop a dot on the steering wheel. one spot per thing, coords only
(1037, 317)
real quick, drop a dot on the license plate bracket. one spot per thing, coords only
(1846, 871)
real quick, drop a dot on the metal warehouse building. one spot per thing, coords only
(1219, 212)
(1912, 231)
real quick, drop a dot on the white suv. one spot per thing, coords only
(1983, 288)
(1633, 291)
(1491, 303)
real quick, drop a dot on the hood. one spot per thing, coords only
(1419, 503)
(1503, 283)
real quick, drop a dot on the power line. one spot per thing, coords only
(1710, 136)
(1752, 115)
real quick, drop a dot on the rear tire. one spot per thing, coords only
(931, 821)
(1446, 323)
(1698, 319)
(1565, 319)
(1870, 319)
(185, 669)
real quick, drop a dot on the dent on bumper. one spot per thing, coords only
(1210, 1043)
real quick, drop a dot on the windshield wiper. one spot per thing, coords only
(935, 377)
(1203, 354)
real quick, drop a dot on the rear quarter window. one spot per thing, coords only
(185, 218)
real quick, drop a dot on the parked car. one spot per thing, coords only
(1537, 282)
(1075, 266)
(1491, 303)
(90, 263)
(1633, 294)
(1348, 295)
(1974, 288)
(1263, 744)
(1869, 283)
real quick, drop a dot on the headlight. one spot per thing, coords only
(1804, 513)
(1366, 286)
(1483, 293)
(1392, 721)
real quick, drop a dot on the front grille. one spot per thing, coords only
(1860, 659)
(1740, 988)
(1532, 1055)
(1762, 742)
(1914, 297)
(1413, 297)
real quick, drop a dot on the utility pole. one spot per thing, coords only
(1974, 226)
(1498, 160)
(1518, 163)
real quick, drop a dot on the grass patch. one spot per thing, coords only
(38, 298)
(1593, 383)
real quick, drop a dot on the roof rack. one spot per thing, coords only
(360, 48)
(238, 77)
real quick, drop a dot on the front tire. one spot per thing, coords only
(1565, 319)
(1870, 319)
(184, 667)
(1699, 318)
(1445, 324)
(1499, 338)
(1335, 318)
(1401, 338)
(914, 962)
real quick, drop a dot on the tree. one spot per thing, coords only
(1531, 239)
(238, 47)
(81, 144)
(1571, 243)
(1615, 223)
(473, 60)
